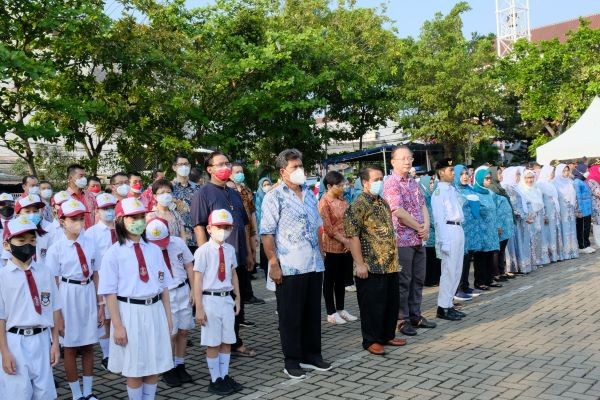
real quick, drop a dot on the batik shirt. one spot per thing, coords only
(182, 196)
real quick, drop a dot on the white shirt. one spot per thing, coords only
(119, 272)
(179, 255)
(55, 231)
(445, 206)
(206, 260)
(16, 305)
(99, 234)
(62, 258)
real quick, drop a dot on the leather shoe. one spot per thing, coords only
(376, 349)
(447, 314)
(459, 313)
(481, 287)
(407, 329)
(423, 323)
(496, 285)
(396, 342)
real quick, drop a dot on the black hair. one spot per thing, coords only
(470, 166)
(73, 167)
(208, 160)
(121, 231)
(195, 175)
(178, 156)
(133, 173)
(366, 171)
(155, 173)
(113, 176)
(237, 164)
(94, 178)
(400, 147)
(161, 183)
(24, 180)
(43, 181)
(333, 178)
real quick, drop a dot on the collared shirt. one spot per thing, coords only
(182, 196)
(174, 221)
(584, 197)
(47, 212)
(62, 258)
(179, 256)
(400, 192)
(89, 201)
(370, 218)
(295, 224)
(332, 213)
(248, 201)
(43, 242)
(100, 236)
(206, 260)
(446, 206)
(119, 272)
(16, 304)
(54, 230)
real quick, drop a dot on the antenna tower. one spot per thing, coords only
(512, 24)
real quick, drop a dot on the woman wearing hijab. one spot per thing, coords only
(567, 200)
(518, 250)
(535, 219)
(433, 264)
(593, 182)
(504, 213)
(551, 230)
(489, 233)
(264, 186)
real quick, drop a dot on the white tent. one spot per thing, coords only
(581, 139)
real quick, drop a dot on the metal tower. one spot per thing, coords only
(512, 23)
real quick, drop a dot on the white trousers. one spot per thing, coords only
(451, 265)
(596, 229)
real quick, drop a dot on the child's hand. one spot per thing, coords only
(54, 354)
(191, 298)
(201, 316)
(120, 335)
(101, 316)
(9, 364)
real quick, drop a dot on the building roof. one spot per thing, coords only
(559, 30)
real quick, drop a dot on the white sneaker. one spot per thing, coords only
(335, 319)
(587, 250)
(347, 316)
(351, 288)
(592, 250)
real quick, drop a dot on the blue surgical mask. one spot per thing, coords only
(108, 215)
(377, 188)
(238, 177)
(34, 218)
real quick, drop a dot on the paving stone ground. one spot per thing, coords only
(538, 337)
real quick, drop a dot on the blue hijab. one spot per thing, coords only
(259, 196)
(424, 183)
(480, 174)
(466, 190)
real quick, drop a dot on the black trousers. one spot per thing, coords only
(299, 311)
(433, 267)
(483, 266)
(245, 282)
(412, 276)
(379, 302)
(464, 277)
(334, 280)
(264, 262)
(583, 226)
(240, 317)
(500, 259)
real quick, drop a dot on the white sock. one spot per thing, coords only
(224, 364)
(104, 345)
(75, 390)
(134, 394)
(149, 391)
(178, 361)
(213, 368)
(87, 385)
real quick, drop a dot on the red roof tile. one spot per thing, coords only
(561, 29)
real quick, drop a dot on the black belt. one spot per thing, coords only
(219, 294)
(75, 282)
(182, 284)
(144, 302)
(27, 331)
(453, 223)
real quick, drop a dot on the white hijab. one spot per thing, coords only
(532, 193)
(509, 180)
(546, 186)
(564, 186)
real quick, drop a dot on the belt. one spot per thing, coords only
(27, 331)
(182, 284)
(453, 223)
(76, 282)
(219, 294)
(144, 302)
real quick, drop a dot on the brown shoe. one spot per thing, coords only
(376, 349)
(396, 342)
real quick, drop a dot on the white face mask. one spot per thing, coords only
(123, 190)
(266, 189)
(81, 183)
(46, 193)
(34, 190)
(164, 199)
(220, 235)
(297, 177)
(184, 170)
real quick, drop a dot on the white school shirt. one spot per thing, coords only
(445, 206)
(55, 231)
(206, 260)
(4, 254)
(16, 305)
(119, 272)
(179, 255)
(43, 243)
(99, 234)
(63, 261)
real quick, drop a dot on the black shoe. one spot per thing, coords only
(447, 314)
(495, 285)
(501, 278)
(254, 300)
(459, 313)
(317, 365)
(219, 387)
(171, 378)
(423, 323)
(407, 329)
(247, 324)
(295, 373)
(105, 363)
(236, 387)
(182, 374)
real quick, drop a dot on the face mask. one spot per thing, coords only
(73, 227)
(184, 170)
(164, 199)
(123, 190)
(136, 187)
(107, 215)
(239, 177)
(223, 174)
(220, 235)
(81, 182)
(22, 253)
(7, 212)
(34, 218)
(34, 190)
(46, 193)
(137, 227)
(376, 188)
(586, 174)
(95, 189)
(337, 191)
(266, 189)
(297, 177)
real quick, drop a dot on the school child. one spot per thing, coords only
(29, 318)
(72, 260)
(31, 206)
(215, 280)
(7, 210)
(103, 235)
(135, 280)
(179, 261)
(54, 229)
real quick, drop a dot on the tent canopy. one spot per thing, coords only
(581, 139)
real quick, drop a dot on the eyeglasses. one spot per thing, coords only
(221, 165)
(487, 178)
(409, 159)
(185, 164)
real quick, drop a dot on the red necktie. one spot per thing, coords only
(113, 235)
(84, 266)
(221, 273)
(141, 262)
(33, 290)
(167, 260)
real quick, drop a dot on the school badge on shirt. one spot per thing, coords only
(45, 296)
(161, 276)
(180, 258)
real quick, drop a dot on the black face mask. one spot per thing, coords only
(7, 212)
(22, 253)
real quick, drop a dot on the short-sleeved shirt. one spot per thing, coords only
(179, 255)
(182, 196)
(206, 260)
(332, 213)
(89, 201)
(62, 258)
(248, 201)
(100, 236)
(212, 197)
(295, 225)
(174, 221)
(370, 218)
(401, 192)
(119, 272)
(16, 304)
